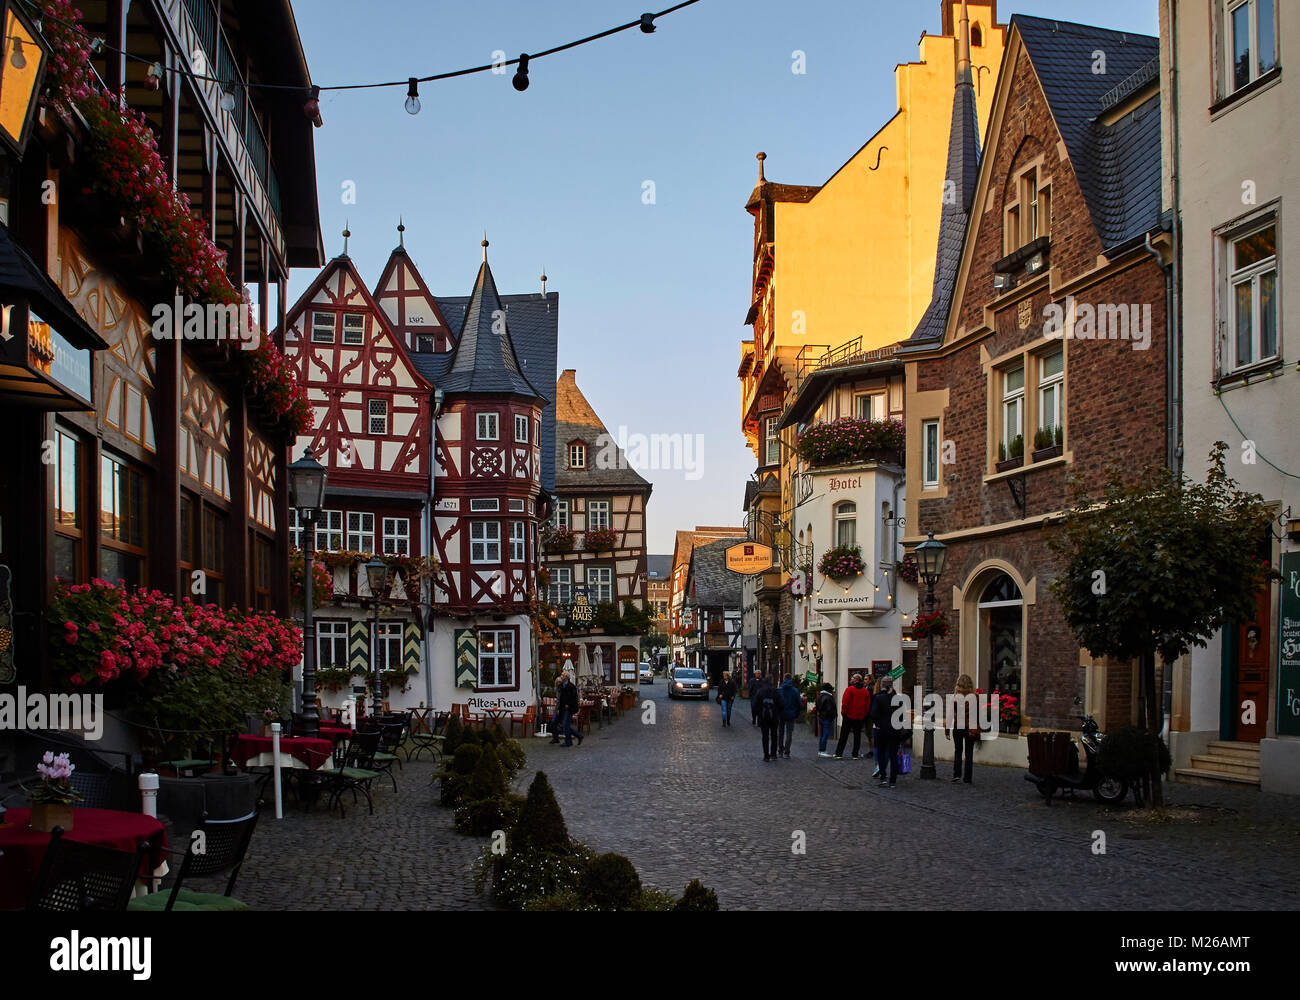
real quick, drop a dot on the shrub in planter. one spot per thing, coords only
(456, 776)
(454, 736)
(512, 756)
(522, 876)
(697, 897)
(541, 824)
(611, 882)
(1126, 753)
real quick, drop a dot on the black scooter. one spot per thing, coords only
(1105, 788)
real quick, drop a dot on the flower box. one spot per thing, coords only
(841, 563)
(47, 815)
(1043, 454)
(1010, 463)
(850, 441)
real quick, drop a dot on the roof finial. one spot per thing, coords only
(963, 46)
(761, 157)
(347, 235)
(401, 232)
(485, 246)
(543, 281)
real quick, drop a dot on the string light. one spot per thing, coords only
(520, 82)
(648, 24)
(228, 96)
(153, 79)
(413, 96)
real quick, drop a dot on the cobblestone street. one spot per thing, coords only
(685, 798)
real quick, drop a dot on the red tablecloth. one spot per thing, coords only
(24, 848)
(335, 731)
(311, 751)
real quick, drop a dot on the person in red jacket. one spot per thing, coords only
(854, 707)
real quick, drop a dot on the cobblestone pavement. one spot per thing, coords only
(684, 798)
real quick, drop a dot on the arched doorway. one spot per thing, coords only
(1000, 637)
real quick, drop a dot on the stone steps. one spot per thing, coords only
(1224, 761)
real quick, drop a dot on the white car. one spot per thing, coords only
(647, 674)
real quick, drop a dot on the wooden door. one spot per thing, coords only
(1253, 640)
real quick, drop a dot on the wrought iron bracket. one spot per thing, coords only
(1016, 484)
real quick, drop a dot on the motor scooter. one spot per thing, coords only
(1105, 788)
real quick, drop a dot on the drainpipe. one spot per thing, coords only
(428, 543)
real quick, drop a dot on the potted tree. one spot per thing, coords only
(1047, 442)
(1011, 456)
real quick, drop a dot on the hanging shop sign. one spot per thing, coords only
(749, 558)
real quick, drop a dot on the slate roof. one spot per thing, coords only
(659, 567)
(1118, 166)
(715, 585)
(575, 420)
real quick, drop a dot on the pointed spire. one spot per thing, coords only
(347, 235)
(543, 281)
(760, 157)
(401, 233)
(963, 46)
(485, 246)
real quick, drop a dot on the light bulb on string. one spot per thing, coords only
(520, 81)
(648, 24)
(153, 78)
(228, 96)
(412, 96)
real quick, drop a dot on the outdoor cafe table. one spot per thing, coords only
(334, 731)
(298, 752)
(24, 848)
(495, 714)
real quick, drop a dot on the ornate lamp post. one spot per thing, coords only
(307, 479)
(930, 557)
(377, 577)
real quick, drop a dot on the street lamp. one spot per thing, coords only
(930, 557)
(377, 577)
(307, 479)
(22, 70)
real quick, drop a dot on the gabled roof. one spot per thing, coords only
(575, 420)
(403, 294)
(715, 585)
(1117, 166)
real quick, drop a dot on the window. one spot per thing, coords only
(387, 647)
(1051, 389)
(377, 409)
(1250, 37)
(68, 548)
(263, 557)
(1252, 289)
(597, 514)
(295, 529)
(516, 506)
(496, 659)
(771, 442)
(485, 541)
(214, 555)
(189, 547)
(483, 506)
(561, 589)
(329, 531)
(121, 522)
(487, 427)
(846, 523)
(331, 644)
(1030, 215)
(976, 36)
(322, 328)
(577, 456)
(354, 328)
(397, 536)
(560, 518)
(517, 541)
(424, 343)
(1013, 407)
(930, 454)
(361, 531)
(521, 429)
(600, 584)
(869, 406)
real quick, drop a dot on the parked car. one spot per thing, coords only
(688, 682)
(647, 674)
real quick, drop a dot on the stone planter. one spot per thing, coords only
(47, 815)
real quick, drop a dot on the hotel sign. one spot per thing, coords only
(749, 558)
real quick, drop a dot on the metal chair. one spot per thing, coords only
(95, 790)
(74, 877)
(215, 848)
(354, 770)
(391, 737)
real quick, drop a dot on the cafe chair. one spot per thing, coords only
(354, 770)
(224, 842)
(391, 736)
(75, 877)
(525, 722)
(95, 790)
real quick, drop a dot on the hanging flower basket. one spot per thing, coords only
(600, 540)
(908, 570)
(931, 624)
(850, 441)
(841, 562)
(559, 540)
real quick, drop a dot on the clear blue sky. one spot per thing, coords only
(652, 297)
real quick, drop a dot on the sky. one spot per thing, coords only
(623, 170)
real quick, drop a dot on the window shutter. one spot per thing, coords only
(411, 648)
(359, 648)
(466, 657)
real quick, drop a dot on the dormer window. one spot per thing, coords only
(424, 343)
(577, 456)
(1030, 215)
(322, 328)
(976, 37)
(354, 328)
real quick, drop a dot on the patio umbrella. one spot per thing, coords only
(598, 664)
(584, 666)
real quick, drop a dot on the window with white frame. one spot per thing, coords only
(517, 546)
(1051, 391)
(1013, 407)
(516, 506)
(521, 429)
(331, 644)
(485, 541)
(1029, 216)
(869, 406)
(329, 531)
(930, 454)
(322, 328)
(295, 529)
(771, 442)
(560, 518)
(1250, 42)
(484, 505)
(597, 514)
(387, 647)
(496, 659)
(361, 531)
(561, 589)
(377, 410)
(354, 328)
(577, 456)
(600, 584)
(487, 426)
(1252, 281)
(397, 536)
(846, 523)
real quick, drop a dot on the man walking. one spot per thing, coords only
(764, 698)
(885, 709)
(754, 686)
(791, 702)
(854, 706)
(566, 707)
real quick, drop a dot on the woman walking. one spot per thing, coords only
(726, 695)
(964, 725)
(825, 718)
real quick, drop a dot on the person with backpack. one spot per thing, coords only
(791, 703)
(825, 705)
(765, 700)
(885, 707)
(854, 705)
(726, 695)
(754, 685)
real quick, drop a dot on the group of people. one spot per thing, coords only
(566, 709)
(774, 709)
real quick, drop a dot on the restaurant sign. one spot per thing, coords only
(749, 558)
(581, 612)
(1288, 674)
(717, 640)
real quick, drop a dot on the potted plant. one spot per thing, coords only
(269, 717)
(851, 441)
(1011, 456)
(930, 624)
(559, 540)
(907, 570)
(600, 540)
(1047, 443)
(841, 562)
(52, 798)
(1008, 713)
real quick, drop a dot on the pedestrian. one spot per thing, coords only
(791, 703)
(964, 723)
(566, 707)
(726, 695)
(825, 718)
(854, 705)
(886, 712)
(765, 699)
(754, 685)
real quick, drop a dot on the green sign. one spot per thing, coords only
(897, 672)
(810, 677)
(1288, 661)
